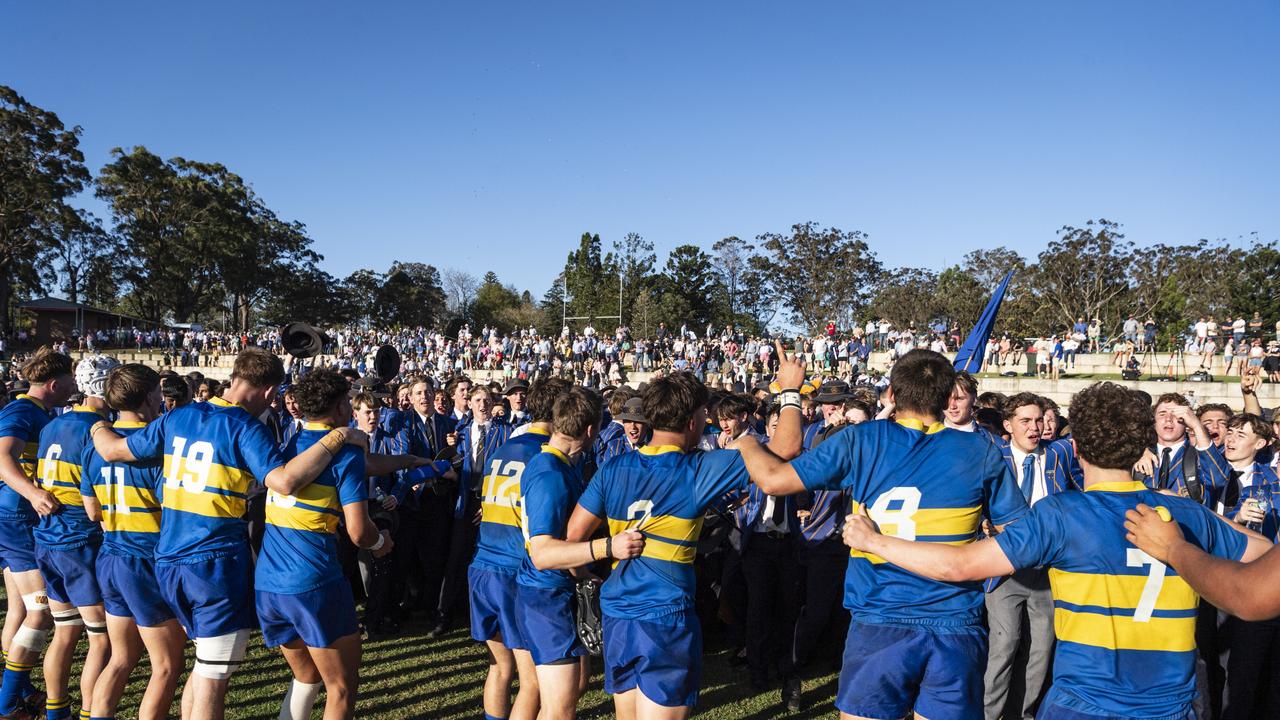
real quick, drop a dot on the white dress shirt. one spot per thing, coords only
(1039, 490)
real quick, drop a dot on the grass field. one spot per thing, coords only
(412, 677)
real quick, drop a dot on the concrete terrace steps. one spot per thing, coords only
(1060, 391)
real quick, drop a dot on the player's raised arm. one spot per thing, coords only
(768, 467)
(788, 439)
(948, 563)
(1245, 589)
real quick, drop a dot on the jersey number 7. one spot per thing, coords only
(1150, 590)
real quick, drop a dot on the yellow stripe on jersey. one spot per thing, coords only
(305, 510)
(1120, 632)
(500, 513)
(877, 560)
(1120, 591)
(209, 504)
(109, 496)
(667, 537)
(29, 459)
(928, 522)
(60, 479)
(139, 522)
(196, 488)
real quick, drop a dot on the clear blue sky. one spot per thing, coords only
(490, 135)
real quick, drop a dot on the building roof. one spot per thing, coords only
(53, 304)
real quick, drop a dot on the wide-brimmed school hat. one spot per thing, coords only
(833, 391)
(515, 384)
(386, 363)
(301, 340)
(632, 411)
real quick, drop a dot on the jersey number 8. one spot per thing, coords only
(901, 518)
(189, 466)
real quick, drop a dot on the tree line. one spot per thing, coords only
(190, 241)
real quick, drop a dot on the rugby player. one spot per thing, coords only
(914, 644)
(67, 543)
(1125, 622)
(126, 500)
(304, 602)
(21, 501)
(549, 490)
(652, 639)
(491, 578)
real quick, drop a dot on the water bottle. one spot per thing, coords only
(1264, 504)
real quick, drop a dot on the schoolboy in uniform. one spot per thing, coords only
(126, 500)
(913, 643)
(1125, 623)
(304, 602)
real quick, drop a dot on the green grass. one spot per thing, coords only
(412, 677)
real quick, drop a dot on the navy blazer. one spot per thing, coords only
(1212, 470)
(470, 477)
(1061, 473)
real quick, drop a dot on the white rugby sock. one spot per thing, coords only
(298, 700)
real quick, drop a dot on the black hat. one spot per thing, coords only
(386, 363)
(371, 384)
(833, 391)
(18, 386)
(761, 385)
(632, 411)
(301, 340)
(515, 384)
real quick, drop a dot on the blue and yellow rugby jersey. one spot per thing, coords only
(64, 449)
(927, 484)
(23, 418)
(1125, 622)
(299, 544)
(548, 493)
(213, 454)
(500, 544)
(130, 498)
(663, 492)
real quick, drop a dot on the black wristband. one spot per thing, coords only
(608, 547)
(591, 548)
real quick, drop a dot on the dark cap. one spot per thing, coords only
(515, 384)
